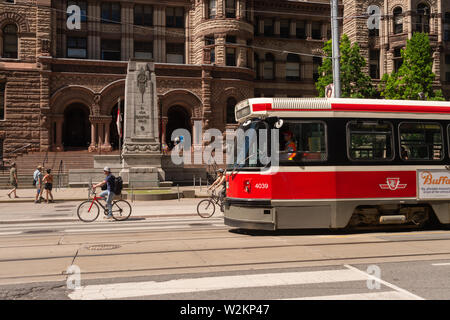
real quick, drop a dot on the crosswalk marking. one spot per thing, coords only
(381, 281)
(441, 264)
(150, 288)
(186, 285)
(99, 226)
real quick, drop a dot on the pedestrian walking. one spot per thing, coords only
(37, 175)
(48, 185)
(13, 180)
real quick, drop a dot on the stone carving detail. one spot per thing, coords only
(95, 109)
(142, 79)
(140, 148)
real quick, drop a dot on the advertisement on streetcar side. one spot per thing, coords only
(433, 184)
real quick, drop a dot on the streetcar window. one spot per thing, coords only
(370, 140)
(302, 142)
(421, 141)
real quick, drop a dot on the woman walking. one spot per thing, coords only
(48, 185)
(13, 180)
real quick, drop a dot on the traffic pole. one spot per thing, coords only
(335, 47)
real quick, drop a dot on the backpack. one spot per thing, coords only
(118, 185)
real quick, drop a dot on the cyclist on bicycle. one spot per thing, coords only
(109, 192)
(220, 181)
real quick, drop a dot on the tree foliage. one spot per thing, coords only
(354, 82)
(415, 76)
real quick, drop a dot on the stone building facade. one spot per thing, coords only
(60, 88)
(399, 20)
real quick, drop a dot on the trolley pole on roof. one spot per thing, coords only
(336, 54)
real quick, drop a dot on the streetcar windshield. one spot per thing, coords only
(257, 142)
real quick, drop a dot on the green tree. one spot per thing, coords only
(354, 82)
(415, 76)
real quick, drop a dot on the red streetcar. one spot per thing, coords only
(342, 163)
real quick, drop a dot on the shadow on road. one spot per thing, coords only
(314, 232)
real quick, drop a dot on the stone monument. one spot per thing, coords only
(141, 152)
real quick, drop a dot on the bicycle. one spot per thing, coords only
(207, 207)
(88, 210)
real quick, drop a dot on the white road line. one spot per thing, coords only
(10, 233)
(150, 288)
(134, 228)
(441, 264)
(412, 296)
(387, 295)
(118, 224)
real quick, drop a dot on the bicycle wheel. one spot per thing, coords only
(121, 210)
(206, 208)
(88, 211)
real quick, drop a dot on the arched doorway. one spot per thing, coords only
(114, 133)
(76, 130)
(177, 118)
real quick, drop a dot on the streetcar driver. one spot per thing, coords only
(290, 147)
(220, 181)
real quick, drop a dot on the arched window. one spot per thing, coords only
(10, 41)
(293, 67)
(423, 18)
(269, 67)
(398, 20)
(231, 103)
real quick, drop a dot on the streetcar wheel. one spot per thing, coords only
(121, 210)
(88, 211)
(206, 208)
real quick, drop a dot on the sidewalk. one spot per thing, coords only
(24, 210)
(27, 212)
(76, 194)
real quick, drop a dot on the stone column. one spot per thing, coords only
(164, 121)
(100, 134)
(107, 145)
(293, 29)
(94, 25)
(159, 42)
(127, 31)
(276, 27)
(59, 126)
(92, 147)
(309, 30)
(242, 54)
(220, 50)
(220, 8)
(410, 18)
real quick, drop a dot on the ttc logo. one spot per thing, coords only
(393, 184)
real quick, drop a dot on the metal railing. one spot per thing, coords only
(12, 152)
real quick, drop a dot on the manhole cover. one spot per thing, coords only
(40, 231)
(103, 247)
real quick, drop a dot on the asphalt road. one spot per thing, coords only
(170, 256)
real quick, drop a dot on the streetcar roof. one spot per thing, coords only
(263, 107)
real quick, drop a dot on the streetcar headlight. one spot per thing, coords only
(278, 124)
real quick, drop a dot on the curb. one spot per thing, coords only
(76, 219)
(83, 199)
